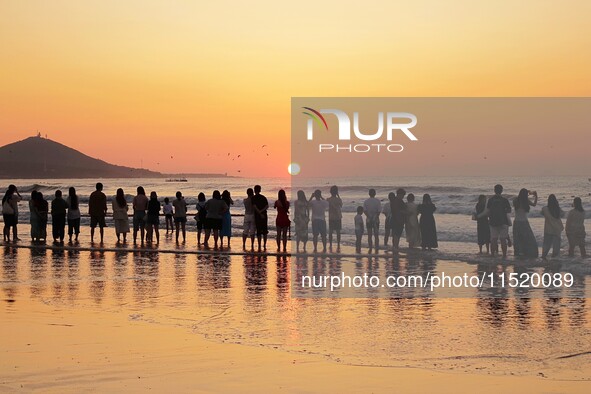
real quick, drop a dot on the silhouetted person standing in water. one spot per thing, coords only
(216, 207)
(260, 205)
(180, 215)
(335, 216)
(59, 208)
(575, 228)
(140, 206)
(372, 208)
(552, 227)
(10, 212)
(97, 209)
(498, 208)
(318, 206)
(120, 218)
(282, 221)
(248, 227)
(153, 218)
(398, 217)
(73, 214)
(301, 219)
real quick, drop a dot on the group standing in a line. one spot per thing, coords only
(493, 217)
(493, 222)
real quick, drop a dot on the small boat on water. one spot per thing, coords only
(177, 180)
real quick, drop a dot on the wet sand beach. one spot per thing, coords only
(116, 319)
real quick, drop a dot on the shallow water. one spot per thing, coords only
(248, 300)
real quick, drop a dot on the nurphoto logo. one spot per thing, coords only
(395, 122)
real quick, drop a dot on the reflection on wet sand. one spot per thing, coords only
(249, 300)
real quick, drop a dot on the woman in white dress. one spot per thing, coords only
(120, 217)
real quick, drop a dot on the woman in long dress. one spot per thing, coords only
(524, 241)
(226, 219)
(427, 223)
(575, 228)
(301, 219)
(120, 217)
(413, 231)
(34, 218)
(553, 227)
(482, 225)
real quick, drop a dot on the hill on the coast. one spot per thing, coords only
(38, 157)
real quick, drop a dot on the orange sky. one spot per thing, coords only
(123, 81)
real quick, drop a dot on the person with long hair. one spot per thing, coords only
(575, 228)
(335, 216)
(73, 214)
(59, 210)
(301, 219)
(120, 218)
(282, 221)
(413, 229)
(318, 205)
(153, 218)
(248, 226)
(552, 227)
(34, 219)
(10, 212)
(524, 241)
(201, 216)
(226, 219)
(427, 223)
(482, 225)
(42, 210)
(140, 206)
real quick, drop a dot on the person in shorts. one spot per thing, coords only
(498, 207)
(372, 208)
(97, 209)
(168, 210)
(260, 205)
(180, 215)
(318, 207)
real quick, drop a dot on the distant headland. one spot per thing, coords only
(42, 158)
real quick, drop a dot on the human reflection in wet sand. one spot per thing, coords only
(120, 274)
(97, 274)
(73, 275)
(492, 303)
(300, 268)
(213, 279)
(577, 312)
(180, 276)
(145, 282)
(57, 268)
(10, 274)
(283, 276)
(38, 268)
(255, 281)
